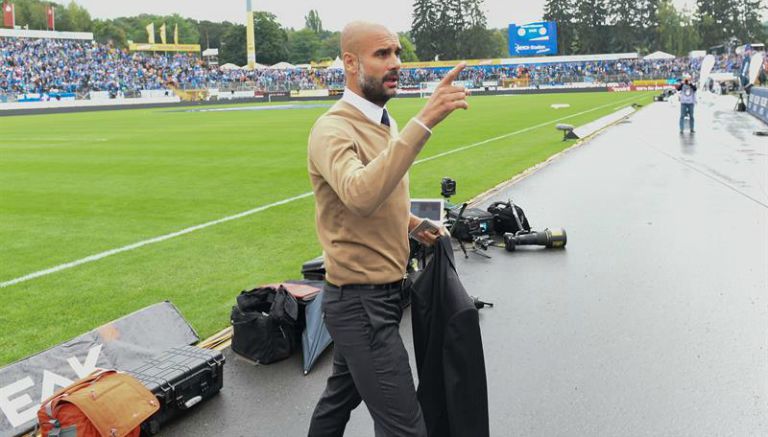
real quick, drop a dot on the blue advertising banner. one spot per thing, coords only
(758, 103)
(533, 39)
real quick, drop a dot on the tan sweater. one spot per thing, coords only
(359, 174)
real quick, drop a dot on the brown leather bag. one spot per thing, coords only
(103, 404)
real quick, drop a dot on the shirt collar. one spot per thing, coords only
(371, 110)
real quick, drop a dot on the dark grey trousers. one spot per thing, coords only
(370, 363)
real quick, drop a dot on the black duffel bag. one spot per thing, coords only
(265, 324)
(508, 217)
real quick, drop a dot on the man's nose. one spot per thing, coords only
(394, 63)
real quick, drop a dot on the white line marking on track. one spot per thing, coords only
(154, 240)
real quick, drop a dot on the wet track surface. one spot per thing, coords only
(653, 320)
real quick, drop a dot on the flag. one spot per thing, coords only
(162, 33)
(151, 33)
(176, 34)
(9, 15)
(51, 17)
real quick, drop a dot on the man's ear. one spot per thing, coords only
(350, 63)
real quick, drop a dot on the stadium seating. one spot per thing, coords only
(47, 67)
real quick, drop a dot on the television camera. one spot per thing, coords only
(504, 219)
(466, 224)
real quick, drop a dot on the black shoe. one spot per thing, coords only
(693, 131)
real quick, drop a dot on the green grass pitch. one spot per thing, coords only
(74, 185)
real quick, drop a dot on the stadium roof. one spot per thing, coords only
(526, 61)
(573, 58)
(45, 34)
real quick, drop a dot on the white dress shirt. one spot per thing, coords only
(373, 111)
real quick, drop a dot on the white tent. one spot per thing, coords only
(282, 66)
(256, 66)
(229, 66)
(693, 54)
(659, 55)
(336, 64)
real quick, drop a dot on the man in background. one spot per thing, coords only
(687, 92)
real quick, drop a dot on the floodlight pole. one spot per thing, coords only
(250, 36)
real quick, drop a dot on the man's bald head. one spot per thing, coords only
(371, 56)
(357, 33)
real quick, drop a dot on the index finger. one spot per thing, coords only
(453, 74)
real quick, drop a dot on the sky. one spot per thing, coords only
(395, 14)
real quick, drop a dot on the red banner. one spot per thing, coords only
(51, 18)
(9, 15)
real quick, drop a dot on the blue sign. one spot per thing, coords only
(533, 39)
(758, 103)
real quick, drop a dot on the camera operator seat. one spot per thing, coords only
(567, 129)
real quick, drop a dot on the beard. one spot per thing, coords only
(373, 88)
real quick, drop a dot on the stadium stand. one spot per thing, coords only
(54, 69)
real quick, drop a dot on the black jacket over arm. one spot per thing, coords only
(449, 351)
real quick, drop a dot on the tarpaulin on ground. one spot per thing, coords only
(122, 344)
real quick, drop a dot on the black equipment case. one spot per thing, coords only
(180, 378)
(475, 222)
(508, 217)
(314, 269)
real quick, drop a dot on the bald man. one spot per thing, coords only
(358, 166)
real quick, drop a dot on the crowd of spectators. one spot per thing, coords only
(620, 71)
(70, 66)
(67, 66)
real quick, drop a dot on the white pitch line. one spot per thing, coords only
(462, 148)
(101, 255)
(139, 244)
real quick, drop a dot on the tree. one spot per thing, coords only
(748, 26)
(30, 13)
(646, 24)
(626, 29)
(232, 48)
(478, 42)
(500, 42)
(313, 22)
(271, 39)
(454, 16)
(304, 46)
(212, 34)
(444, 28)
(80, 19)
(73, 18)
(106, 32)
(476, 14)
(561, 12)
(714, 21)
(135, 28)
(591, 30)
(689, 36)
(424, 28)
(330, 46)
(669, 29)
(676, 32)
(408, 53)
